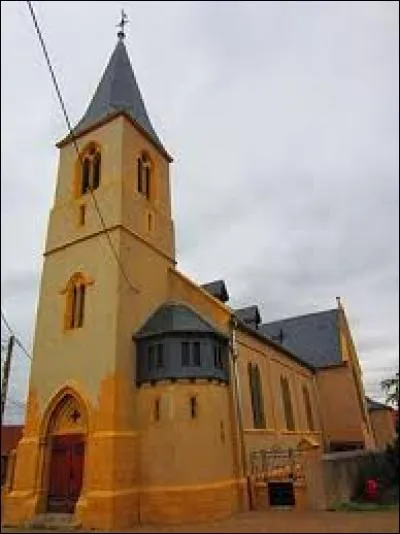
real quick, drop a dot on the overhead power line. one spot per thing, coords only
(17, 340)
(16, 404)
(6, 375)
(70, 129)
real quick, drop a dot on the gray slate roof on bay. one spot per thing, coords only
(217, 289)
(118, 91)
(249, 315)
(375, 405)
(314, 338)
(175, 317)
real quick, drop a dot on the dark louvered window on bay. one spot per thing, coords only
(287, 403)
(160, 355)
(185, 354)
(257, 400)
(150, 357)
(218, 356)
(196, 354)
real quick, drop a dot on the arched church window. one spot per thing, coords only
(307, 404)
(257, 399)
(287, 403)
(75, 301)
(96, 170)
(91, 170)
(144, 175)
(85, 176)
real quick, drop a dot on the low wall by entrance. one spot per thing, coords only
(340, 474)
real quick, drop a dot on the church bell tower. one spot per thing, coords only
(109, 246)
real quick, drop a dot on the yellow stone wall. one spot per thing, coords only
(273, 364)
(383, 427)
(333, 383)
(341, 415)
(186, 464)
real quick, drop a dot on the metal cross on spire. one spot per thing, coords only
(121, 24)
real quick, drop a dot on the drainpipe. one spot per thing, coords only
(237, 400)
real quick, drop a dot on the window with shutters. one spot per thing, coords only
(256, 393)
(160, 355)
(185, 354)
(150, 357)
(287, 403)
(218, 356)
(196, 354)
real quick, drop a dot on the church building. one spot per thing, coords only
(150, 399)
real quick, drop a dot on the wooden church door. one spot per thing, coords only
(66, 469)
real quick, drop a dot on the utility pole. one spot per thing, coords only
(6, 374)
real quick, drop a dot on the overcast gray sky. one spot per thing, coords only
(283, 119)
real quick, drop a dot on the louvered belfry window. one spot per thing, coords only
(91, 170)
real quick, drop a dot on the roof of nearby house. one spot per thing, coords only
(249, 315)
(375, 405)
(10, 436)
(175, 317)
(118, 91)
(314, 338)
(217, 289)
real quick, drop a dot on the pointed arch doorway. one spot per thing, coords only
(67, 439)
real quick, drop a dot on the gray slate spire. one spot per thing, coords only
(118, 91)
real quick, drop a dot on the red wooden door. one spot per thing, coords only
(66, 469)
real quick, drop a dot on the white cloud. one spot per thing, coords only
(283, 118)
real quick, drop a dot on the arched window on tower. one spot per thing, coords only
(144, 175)
(257, 399)
(90, 169)
(287, 403)
(75, 292)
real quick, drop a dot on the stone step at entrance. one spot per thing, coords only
(51, 521)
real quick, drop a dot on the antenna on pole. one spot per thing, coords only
(121, 24)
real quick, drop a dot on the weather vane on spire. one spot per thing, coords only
(124, 20)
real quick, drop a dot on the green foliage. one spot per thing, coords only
(361, 507)
(391, 387)
(384, 468)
